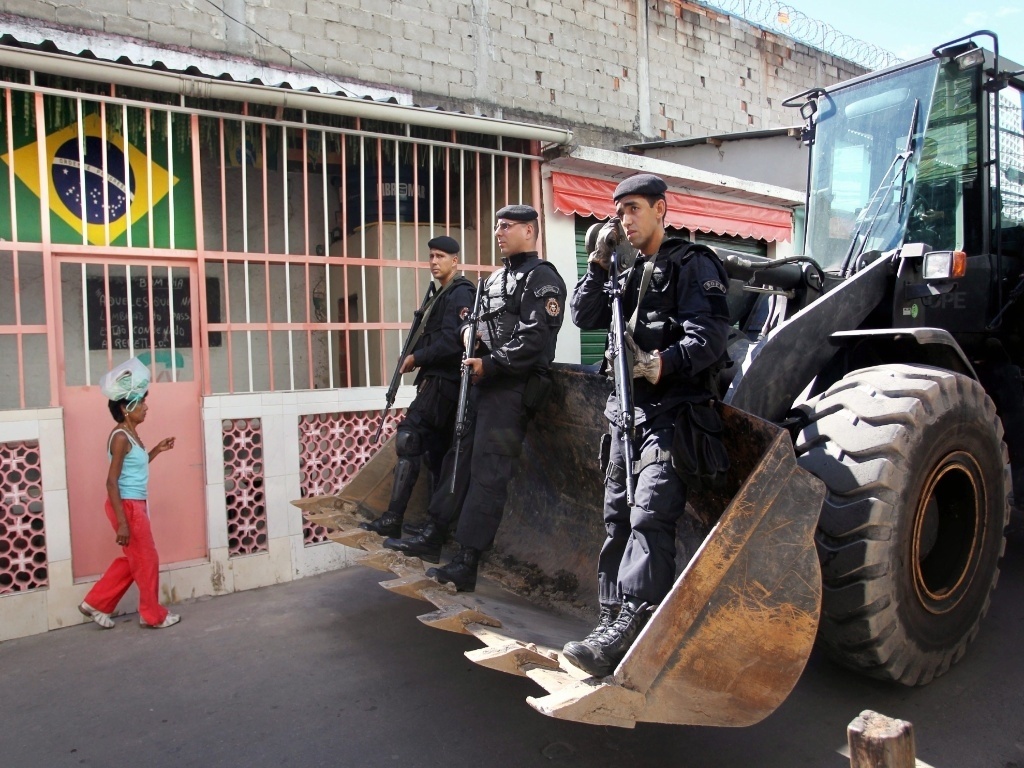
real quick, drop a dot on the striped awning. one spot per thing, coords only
(588, 196)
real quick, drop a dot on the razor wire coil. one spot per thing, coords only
(786, 20)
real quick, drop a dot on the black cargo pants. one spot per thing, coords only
(638, 557)
(488, 458)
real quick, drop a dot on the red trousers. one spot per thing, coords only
(140, 564)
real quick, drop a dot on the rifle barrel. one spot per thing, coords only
(396, 377)
(467, 374)
(623, 381)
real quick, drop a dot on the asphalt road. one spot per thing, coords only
(335, 671)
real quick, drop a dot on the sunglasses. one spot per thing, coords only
(505, 226)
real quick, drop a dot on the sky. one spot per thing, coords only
(911, 28)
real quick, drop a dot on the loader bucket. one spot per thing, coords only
(725, 647)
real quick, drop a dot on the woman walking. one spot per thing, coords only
(127, 510)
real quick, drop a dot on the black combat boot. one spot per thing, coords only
(426, 546)
(461, 571)
(601, 655)
(608, 615)
(388, 524)
(413, 529)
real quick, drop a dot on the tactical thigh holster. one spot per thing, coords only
(698, 453)
(537, 391)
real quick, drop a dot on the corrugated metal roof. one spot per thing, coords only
(17, 32)
(190, 73)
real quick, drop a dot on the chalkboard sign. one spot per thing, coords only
(176, 303)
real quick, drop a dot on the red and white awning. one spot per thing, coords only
(588, 196)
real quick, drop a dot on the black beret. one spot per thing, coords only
(444, 243)
(517, 213)
(641, 184)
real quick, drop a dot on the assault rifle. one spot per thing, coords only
(621, 256)
(461, 415)
(410, 340)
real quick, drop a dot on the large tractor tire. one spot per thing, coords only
(912, 528)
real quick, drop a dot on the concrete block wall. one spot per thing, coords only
(615, 72)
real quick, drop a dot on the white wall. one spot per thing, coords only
(559, 234)
(778, 160)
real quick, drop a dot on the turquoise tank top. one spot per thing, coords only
(134, 478)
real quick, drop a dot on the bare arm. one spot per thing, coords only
(119, 447)
(164, 445)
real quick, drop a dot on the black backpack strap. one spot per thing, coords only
(694, 249)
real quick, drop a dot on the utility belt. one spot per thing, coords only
(444, 385)
(703, 384)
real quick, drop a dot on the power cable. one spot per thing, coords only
(291, 55)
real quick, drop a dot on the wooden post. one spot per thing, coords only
(877, 741)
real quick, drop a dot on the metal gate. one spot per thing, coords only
(110, 311)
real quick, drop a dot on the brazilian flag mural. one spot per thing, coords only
(109, 184)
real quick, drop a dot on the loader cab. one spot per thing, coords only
(875, 146)
(932, 153)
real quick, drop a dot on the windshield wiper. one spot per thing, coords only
(881, 194)
(908, 152)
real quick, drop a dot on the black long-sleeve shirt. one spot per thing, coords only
(524, 340)
(439, 350)
(684, 316)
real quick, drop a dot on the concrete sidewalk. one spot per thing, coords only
(335, 671)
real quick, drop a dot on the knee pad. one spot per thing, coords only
(408, 443)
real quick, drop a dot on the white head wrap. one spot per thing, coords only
(128, 381)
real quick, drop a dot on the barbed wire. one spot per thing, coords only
(787, 20)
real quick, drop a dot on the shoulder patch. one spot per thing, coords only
(714, 286)
(552, 307)
(463, 313)
(546, 290)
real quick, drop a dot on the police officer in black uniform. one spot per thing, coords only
(427, 427)
(523, 307)
(678, 339)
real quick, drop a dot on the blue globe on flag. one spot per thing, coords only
(100, 201)
(68, 173)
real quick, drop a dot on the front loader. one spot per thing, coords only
(873, 413)
(727, 645)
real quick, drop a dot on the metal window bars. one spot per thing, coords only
(308, 232)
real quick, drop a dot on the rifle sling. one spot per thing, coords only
(427, 308)
(645, 280)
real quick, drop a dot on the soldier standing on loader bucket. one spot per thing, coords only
(522, 309)
(437, 352)
(677, 337)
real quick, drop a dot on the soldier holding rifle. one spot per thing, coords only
(521, 312)
(675, 298)
(434, 347)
